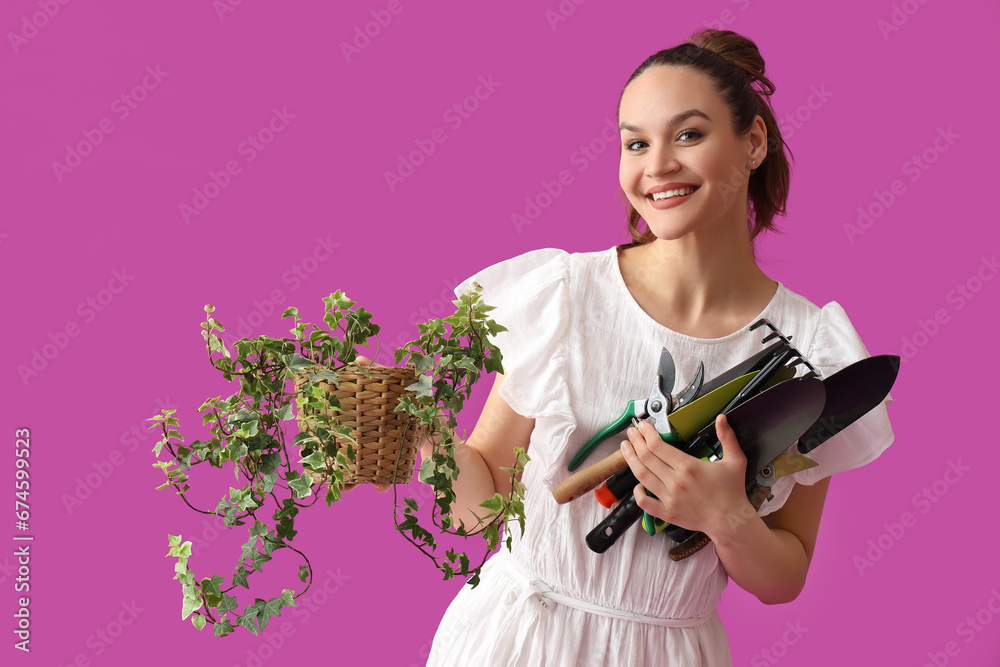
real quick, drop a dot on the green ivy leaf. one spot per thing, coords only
(198, 621)
(315, 461)
(212, 590)
(250, 548)
(300, 484)
(190, 605)
(240, 577)
(271, 608)
(423, 386)
(258, 560)
(495, 503)
(285, 412)
(222, 628)
(248, 621)
(228, 604)
(296, 363)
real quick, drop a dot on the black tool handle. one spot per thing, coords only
(678, 534)
(622, 483)
(608, 531)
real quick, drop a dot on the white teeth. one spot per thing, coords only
(657, 196)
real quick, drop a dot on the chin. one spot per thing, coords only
(666, 232)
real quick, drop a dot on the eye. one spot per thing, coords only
(630, 145)
(695, 134)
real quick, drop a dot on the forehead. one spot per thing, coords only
(663, 91)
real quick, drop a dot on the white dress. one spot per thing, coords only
(578, 349)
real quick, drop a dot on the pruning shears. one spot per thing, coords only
(653, 409)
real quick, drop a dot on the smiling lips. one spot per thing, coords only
(678, 192)
(670, 195)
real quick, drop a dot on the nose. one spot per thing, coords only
(661, 160)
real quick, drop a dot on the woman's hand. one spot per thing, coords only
(698, 495)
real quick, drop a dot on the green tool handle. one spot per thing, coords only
(615, 426)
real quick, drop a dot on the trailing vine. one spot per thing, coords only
(247, 433)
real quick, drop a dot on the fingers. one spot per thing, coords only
(425, 446)
(642, 452)
(381, 488)
(730, 445)
(646, 501)
(363, 360)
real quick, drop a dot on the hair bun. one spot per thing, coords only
(738, 50)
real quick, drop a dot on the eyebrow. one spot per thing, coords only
(679, 118)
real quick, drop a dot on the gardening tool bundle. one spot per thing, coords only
(766, 406)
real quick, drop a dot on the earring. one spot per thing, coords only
(755, 161)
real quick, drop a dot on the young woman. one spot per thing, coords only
(585, 334)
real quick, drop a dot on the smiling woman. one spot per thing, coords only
(704, 172)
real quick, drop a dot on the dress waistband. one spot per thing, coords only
(532, 588)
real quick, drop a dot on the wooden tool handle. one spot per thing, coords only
(589, 478)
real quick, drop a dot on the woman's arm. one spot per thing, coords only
(768, 557)
(490, 447)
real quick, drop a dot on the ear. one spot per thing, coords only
(757, 139)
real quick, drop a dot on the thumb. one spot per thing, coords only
(730, 445)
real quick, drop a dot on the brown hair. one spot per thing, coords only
(734, 65)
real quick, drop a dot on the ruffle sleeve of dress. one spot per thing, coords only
(836, 345)
(530, 293)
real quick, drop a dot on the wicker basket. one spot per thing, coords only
(368, 405)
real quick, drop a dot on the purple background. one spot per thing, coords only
(888, 95)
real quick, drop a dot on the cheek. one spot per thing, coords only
(628, 176)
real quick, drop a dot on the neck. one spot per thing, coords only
(701, 275)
